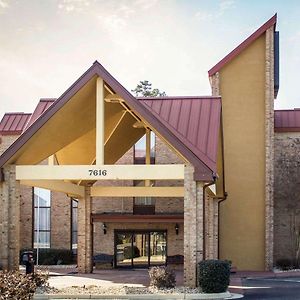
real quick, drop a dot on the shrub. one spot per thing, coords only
(214, 275)
(52, 256)
(284, 264)
(128, 253)
(15, 285)
(162, 277)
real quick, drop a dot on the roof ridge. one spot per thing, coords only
(16, 113)
(179, 97)
(243, 45)
(47, 99)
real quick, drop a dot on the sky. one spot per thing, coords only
(45, 45)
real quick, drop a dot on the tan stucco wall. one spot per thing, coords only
(242, 215)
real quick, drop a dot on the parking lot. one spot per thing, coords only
(272, 288)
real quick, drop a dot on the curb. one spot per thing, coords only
(199, 296)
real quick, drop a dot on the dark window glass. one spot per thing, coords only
(74, 224)
(42, 219)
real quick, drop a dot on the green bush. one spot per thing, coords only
(52, 256)
(284, 264)
(15, 285)
(128, 253)
(162, 277)
(214, 275)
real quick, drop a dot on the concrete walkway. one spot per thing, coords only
(60, 278)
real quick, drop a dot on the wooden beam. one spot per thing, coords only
(115, 127)
(136, 191)
(99, 121)
(148, 152)
(104, 172)
(57, 186)
(51, 160)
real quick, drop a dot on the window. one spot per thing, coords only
(144, 205)
(74, 230)
(42, 220)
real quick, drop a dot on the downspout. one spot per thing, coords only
(221, 199)
(205, 186)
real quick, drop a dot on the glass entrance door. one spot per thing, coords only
(158, 248)
(140, 248)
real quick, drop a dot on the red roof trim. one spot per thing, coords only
(243, 45)
(287, 129)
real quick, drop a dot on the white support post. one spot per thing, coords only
(148, 152)
(99, 122)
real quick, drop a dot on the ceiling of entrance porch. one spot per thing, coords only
(70, 133)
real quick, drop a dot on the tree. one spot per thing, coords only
(144, 89)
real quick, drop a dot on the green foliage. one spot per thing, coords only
(284, 264)
(128, 253)
(214, 275)
(15, 285)
(52, 256)
(162, 277)
(144, 89)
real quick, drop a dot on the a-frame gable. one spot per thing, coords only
(202, 171)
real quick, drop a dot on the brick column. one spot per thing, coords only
(211, 209)
(85, 234)
(269, 144)
(9, 220)
(193, 226)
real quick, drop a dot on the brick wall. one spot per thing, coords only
(26, 217)
(60, 221)
(6, 141)
(286, 193)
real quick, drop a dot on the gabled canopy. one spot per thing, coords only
(67, 128)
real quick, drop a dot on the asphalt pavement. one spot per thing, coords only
(287, 288)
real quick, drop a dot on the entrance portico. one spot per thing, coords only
(83, 135)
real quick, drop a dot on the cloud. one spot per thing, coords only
(223, 6)
(204, 15)
(3, 4)
(145, 4)
(117, 14)
(73, 5)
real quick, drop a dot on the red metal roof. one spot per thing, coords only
(195, 121)
(287, 120)
(243, 45)
(13, 123)
(42, 106)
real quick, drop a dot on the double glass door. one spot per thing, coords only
(140, 248)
